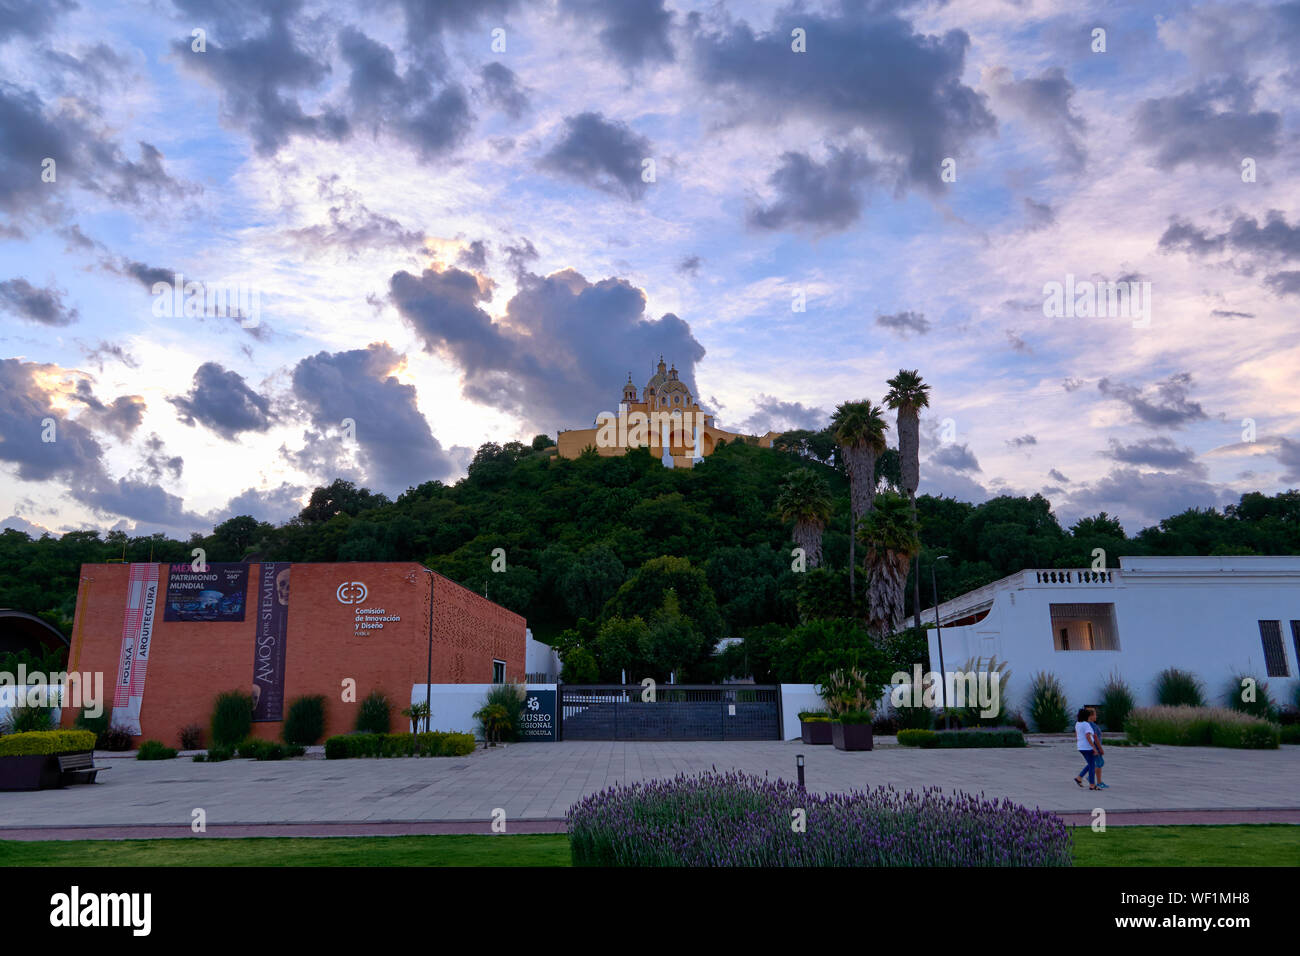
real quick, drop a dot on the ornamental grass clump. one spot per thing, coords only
(1201, 727)
(733, 819)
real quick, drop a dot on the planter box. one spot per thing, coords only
(815, 731)
(851, 736)
(29, 772)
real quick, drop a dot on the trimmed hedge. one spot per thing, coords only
(268, 750)
(428, 744)
(916, 738)
(961, 739)
(36, 742)
(1186, 726)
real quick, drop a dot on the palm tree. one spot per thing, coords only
(908, 395)
(805, 499)
(859, 429)
(889, 534)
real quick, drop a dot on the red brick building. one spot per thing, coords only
(368, 622)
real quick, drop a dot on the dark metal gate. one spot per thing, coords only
(673, 712)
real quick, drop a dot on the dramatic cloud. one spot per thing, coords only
(106, 350)
(1057, 476)
(772, 414)
(1165, 404)
(35, 304)
(635, 31)
(275, 505)
(221, 400)
(562, 350)
(393, 440)
(352, 226)
(1044, 101)
(600, 154)
(27, 401)
(31, 18)
(474, 256)
(1141, 498)
(1023, 441)
(1159, 452)
(955, 457)
(824, 197)
(501, 87)
(904, 323)
(867, 71)
(1275, 240)
(1212, 124)
(121, 417)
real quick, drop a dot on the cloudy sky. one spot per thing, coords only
(467, 220)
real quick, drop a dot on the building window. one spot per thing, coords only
(1270, 635)
(498, 672)
(1084, 627)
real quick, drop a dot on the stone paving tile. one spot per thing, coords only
(543, 780)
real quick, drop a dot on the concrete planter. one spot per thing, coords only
(29, 772)
(815, 731)
(851, 736)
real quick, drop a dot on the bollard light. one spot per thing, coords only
(798, 762)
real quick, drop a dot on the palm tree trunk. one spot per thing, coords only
(916, 582)
(853, 536)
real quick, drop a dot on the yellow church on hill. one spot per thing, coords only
(666, 418)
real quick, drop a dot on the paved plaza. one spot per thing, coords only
(538, 782)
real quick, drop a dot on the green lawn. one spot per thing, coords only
(1244, 845)
(471, 850)
(1259, 844)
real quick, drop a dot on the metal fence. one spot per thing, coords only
(670, 712)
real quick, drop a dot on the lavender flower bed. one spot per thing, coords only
(733, 819)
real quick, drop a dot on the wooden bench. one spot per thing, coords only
(78, 767)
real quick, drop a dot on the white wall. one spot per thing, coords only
(1168, 613)
(454, 705)
(540, 658)
(794, 698)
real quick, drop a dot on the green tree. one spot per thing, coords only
(907, 395)
(889, 534)
(859, 429)
(805, 499)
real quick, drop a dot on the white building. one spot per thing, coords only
(1216, 617)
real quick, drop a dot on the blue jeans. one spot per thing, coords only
(1087, 771)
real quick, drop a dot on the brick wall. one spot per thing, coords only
(191, 662)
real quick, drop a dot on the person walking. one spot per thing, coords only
(1098, 758)
(1086, 742)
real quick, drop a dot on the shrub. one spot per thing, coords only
(1261, 706)
(914, 718)
(115, 740)
(305, 723)
(1048, 708)
(154, 750)
(96, 725)
(813, 716)
(1117, 702)
(884, 726)
(1290, 734)
(268, 749)
(972, 715)
(731, 819)
(375, 716)
(1200, 727)
(232, 718)
(191, 737)
(916, 737)
(25, 719)
(1175, 688)
(36, 742)
(510, 697)
(850, 695)
(219, 753)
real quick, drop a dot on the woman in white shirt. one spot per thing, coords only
(1086, 741)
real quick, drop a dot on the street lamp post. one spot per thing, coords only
(938, 634)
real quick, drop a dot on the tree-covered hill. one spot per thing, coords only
(575, 532)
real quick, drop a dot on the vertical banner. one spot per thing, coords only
(268, 652)
(137, 635)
